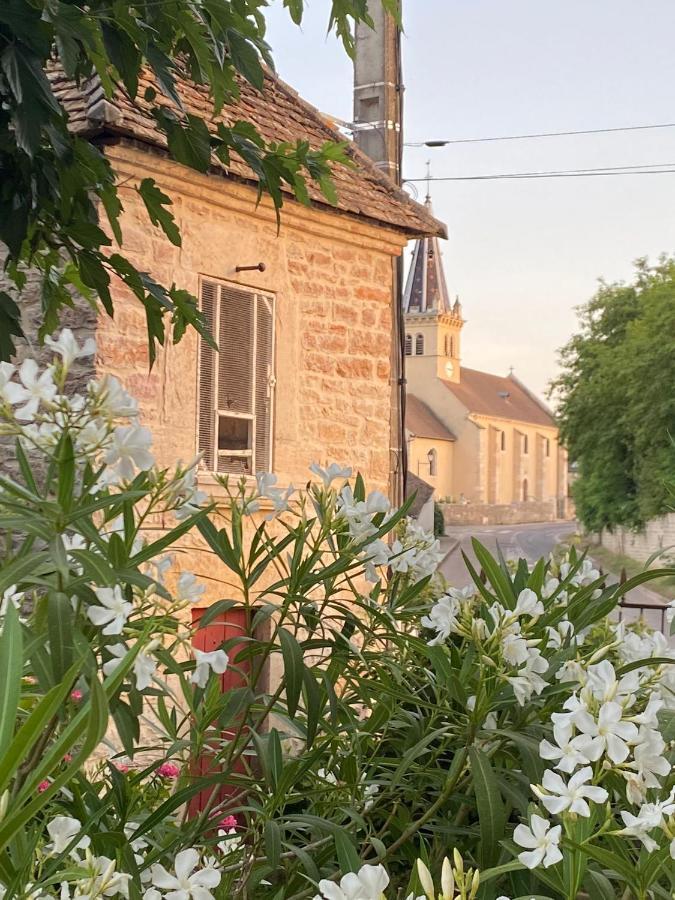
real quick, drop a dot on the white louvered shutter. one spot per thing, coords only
(264, 383)
(207, 374)
(235, 343)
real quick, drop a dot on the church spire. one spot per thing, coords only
(425, 288)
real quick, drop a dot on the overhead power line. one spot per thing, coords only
(541, 134)
(644, 169)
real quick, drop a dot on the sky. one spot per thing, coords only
(522, 255)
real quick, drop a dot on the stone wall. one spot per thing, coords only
(501, 514)
(658, 535)
(81, 320)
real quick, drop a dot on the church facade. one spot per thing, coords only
(488, 446)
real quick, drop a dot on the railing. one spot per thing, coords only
(658, 608)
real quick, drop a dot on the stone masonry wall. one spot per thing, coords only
(658, 535)
(332, 280)
(500, 514)
(81, 320)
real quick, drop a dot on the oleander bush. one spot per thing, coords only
(378, 723)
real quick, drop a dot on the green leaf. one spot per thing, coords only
(347, 856)
(598, 885)
(491, 815)
(60, 630)
(245, 58)
(155, 203)
(293, 669)
(11, 670)
(272, 843)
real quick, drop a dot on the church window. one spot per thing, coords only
(525, 491)
(452, 346)
(548, 446)
(408, 345)
(236, 382)
(419, 344)
(503, 440)
(526, 444)
(432, 456)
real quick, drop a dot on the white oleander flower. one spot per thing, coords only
(442, 618)
(603, 684)
(650, 816)
(368, 883)
(103, 879)
(514, 646)
(144, 664)
(186, 494)
(113, 400)
(327, 776)
(130, 450)
(541, 843)
(10, 391)
(375, 555)
(62, 830)
(360, 513)
(34, 389)
(332, 473)
(68, 349)
(188, 882)
(189, 588)
(611, 734)
(559, 635)
(648, 759)
(558, 796)
(206, 662)
(528, 680)
(267, 488)
(528, 604)
(113, 611)
(569, 751)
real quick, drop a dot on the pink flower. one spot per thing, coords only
(228, 822)
(67, 758)
(76, 695)
(121, 767)
(168, 770)
(42, 787)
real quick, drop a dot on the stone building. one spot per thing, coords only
(485, 442)
(305, 339)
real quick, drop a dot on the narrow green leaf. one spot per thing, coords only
(491, 815)
(60, 630)
(293, 668)
(11, 669)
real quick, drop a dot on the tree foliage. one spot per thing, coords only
(54, 183)
(616, 399)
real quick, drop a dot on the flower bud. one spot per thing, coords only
(459, 863)
(475, 884)
(447, 880)
(425, 879)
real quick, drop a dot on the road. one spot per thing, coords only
(531, 542)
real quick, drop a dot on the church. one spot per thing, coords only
(486, 444)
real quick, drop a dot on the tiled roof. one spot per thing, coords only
(502, 397)
(421, 422)
(278, 113)
(422, 490)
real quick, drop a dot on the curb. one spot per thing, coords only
(451, 549)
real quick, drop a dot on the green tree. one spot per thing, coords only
(54, 183)
(616, 397)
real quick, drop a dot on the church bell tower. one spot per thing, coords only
(433, 325)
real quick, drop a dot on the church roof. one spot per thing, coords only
(501, 397)
(422, 422)
(278, 113)
(426, 290)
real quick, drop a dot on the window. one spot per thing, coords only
(525, 495)
(526, 444)
(432, 456)
(503, 440)
(408, 345)
(446, 346)
(452, 346)
(419, 344)
(548, 446)
(236, 384)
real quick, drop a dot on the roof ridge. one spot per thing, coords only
(547, 409)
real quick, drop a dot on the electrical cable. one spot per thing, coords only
(541, 134)
(646, 169)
